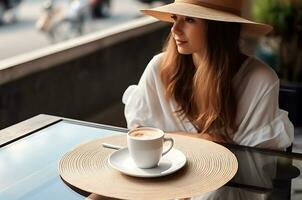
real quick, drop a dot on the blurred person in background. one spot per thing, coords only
(100, 8)
(78, 10)
(63, 23)
(153, 3)
(8, 10)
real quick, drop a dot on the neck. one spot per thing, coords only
(198, 59)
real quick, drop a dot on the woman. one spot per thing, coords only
(202, 85)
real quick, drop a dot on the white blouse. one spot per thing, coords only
(259, 120)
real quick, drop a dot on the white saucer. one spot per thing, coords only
(171, 162)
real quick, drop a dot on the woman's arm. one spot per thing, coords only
(206, 136)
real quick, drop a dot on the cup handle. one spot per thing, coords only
(171, 145)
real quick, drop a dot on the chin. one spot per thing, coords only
(183, 51)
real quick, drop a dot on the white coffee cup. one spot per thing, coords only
(146, 146)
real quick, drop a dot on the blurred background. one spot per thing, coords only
(27, 25)
(73, 58)
(282, 50)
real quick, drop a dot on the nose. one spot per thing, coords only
(177, 28)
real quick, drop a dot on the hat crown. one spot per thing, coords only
(232, 6)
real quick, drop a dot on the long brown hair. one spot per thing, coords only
(204, 93)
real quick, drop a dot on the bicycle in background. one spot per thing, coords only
(63, 23)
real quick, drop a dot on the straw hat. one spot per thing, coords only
(217, 10)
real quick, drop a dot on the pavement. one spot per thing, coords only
(22, 37)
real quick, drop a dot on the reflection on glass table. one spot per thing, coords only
(259, 176)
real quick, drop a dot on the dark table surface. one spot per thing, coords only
(30, 151)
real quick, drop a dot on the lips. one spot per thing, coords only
(180, 42)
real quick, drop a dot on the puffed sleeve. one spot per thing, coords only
(140, 100)
(264, 124)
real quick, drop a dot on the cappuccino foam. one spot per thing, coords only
(145, 134)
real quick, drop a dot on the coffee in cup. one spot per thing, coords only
(145, 134)
(146, 146)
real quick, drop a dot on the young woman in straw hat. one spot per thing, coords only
(202, 85)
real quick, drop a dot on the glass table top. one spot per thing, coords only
(28, 167)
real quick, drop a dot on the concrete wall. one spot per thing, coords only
(81, 78)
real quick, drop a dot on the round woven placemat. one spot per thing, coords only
(209, 166)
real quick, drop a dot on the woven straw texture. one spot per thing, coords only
(209, 166)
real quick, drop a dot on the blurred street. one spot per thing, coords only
(23, 36)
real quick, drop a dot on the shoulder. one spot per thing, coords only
(158, 57)
(154, 65)
(254, 80)
(151, 72)
(257, 74)
(261, 71)
(155, 62)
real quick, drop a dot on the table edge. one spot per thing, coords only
(24, 128)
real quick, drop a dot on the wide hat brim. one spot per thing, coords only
(249, 28)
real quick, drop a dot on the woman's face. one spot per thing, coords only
(189, 34)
